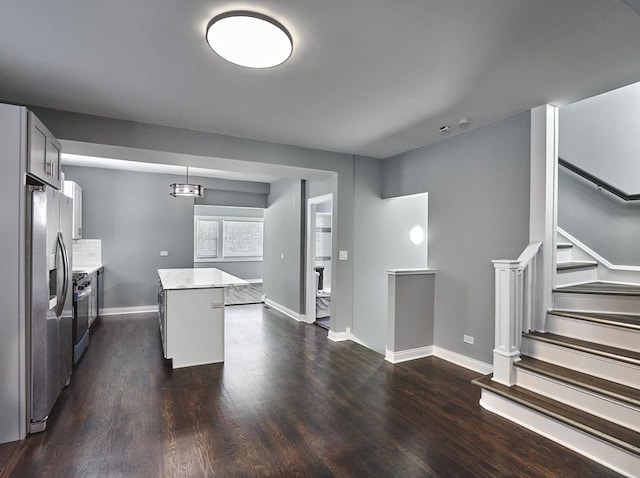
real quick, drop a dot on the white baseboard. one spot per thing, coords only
(140, 309)
(286, 311)
(339, 336)
(410, 354)
(346, 335)
(418, 353)
(463, 360)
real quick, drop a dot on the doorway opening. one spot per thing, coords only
(319, 257)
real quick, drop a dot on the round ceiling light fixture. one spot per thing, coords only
(249, 39)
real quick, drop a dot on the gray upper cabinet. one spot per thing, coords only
(43, 153)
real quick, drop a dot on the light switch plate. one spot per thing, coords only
(343, 255)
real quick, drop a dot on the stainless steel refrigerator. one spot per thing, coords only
(49, 301)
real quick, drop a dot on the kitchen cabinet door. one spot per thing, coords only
(43, 153)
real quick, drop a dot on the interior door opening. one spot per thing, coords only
(319, 256)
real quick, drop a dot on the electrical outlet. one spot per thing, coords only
(164, 253)
(468, 339)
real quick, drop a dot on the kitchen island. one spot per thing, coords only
(191, 314)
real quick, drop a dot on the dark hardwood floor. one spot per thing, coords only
(286, 402)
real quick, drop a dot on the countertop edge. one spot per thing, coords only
(88, 270)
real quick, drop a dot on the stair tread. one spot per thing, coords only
(615, 353)
(575, 265)
(598, 427)
(622, 320)
(608, 388)
(601, 288)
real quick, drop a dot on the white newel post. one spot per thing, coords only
(508, 320)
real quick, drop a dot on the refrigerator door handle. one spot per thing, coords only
(65, 282)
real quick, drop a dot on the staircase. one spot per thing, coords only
(578, 382)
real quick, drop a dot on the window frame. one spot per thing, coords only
(199, 220)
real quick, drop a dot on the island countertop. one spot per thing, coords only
(197, 278)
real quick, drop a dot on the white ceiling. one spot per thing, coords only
(370, 77)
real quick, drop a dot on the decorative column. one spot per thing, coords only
(508, 328)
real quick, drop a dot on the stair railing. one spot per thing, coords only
(515, 304)
(597, 181)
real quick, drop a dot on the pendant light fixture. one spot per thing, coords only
(186, 190)
(249, 39)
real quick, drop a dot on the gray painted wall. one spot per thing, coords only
(136, 218)
(411, 311)
(601, 135)
(12, 310)
(381, 231)
(600, 220)
(478, 185)
(283, 273)
(320, 188)
(119, 133)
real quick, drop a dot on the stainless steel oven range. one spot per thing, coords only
(82, 289)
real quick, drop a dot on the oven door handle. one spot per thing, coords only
(86, 292)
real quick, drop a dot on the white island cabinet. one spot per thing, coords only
(191, 305)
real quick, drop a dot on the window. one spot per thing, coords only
(227, 239)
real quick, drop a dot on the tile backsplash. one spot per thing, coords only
(87, 253)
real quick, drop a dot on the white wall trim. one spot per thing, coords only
(410, 354)
(347, 335)
(543, 194)
(417, 353)
(339, 336)
(139, 309)
(286, 311)
(463, 360)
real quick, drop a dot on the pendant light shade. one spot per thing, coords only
(249, 39)
(186, 190)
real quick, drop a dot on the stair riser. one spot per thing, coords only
(604, 407)
(577, 276)
(564, 255)
(608, 369)
(598, 450)
(597, 303)
(594, 332)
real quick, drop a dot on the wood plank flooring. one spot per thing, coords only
(286, 402)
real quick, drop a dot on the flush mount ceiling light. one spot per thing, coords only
(249, 39)
(186, 190)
